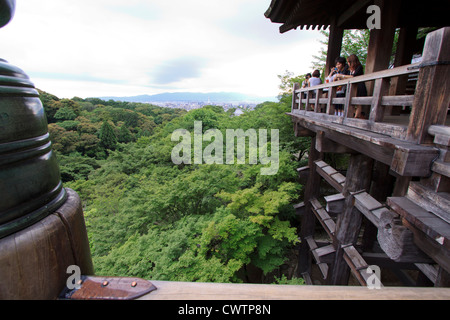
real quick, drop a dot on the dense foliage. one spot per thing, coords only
(150, 218)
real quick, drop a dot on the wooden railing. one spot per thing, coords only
(167, 290)
(320, 102)
(427, 104)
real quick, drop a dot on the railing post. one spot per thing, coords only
(331, 95)
(380, 89)
(307, 101)
(295, 105)
(432, 97)
(316, 102)
(351, 92)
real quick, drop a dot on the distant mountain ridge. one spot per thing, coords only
(227, 97)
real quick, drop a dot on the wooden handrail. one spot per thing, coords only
(439, 129)
(167, 290)
(429, 104)
(388, 73)
(309, 100)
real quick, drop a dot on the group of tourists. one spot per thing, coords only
(343, 69)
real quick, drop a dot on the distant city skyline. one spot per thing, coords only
(133, 47)
(195, 100)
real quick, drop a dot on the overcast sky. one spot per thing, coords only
(92, 48)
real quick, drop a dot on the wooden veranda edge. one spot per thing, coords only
(168, 290)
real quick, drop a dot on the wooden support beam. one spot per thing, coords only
(443, 278)
(334, 46)
(401, 186)
(408, 162)
(369, 207)
(333, 177)
(442, 168)
(432, 97)
(303, 175)
(431, 201)
(323, 267)
(383, 261)
(328, 146)
(430, 246)
(350, 12)
(306, 276)
(301, 131)
(324, 218)
(435, 228)
(299, 209)
(308, 220)
(359, 177)
(429, 270)
(440, 179)
(335, 204)
(382, 187)
(381, 40)
(431, 234)
(406, 159)
(325, 250)
(359, 266)
(397, 241)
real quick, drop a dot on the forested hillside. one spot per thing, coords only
(150, 218)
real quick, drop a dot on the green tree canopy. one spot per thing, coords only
(107, 136)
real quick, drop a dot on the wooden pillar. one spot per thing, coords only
(381, 40)
(308, 220)
(403, 55)
(443, 278)
(359, 176)
(295, 105)
(401, 186)
(334, 46)
(432, 97)
(382, 187)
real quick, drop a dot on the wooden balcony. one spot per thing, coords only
(393, 204)
(319, 102)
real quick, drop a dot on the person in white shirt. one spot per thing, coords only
(315, 79)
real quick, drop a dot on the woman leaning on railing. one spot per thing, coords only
(356, 69)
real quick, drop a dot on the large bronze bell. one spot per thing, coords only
(30, 183)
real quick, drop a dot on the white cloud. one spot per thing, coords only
(114, 47)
